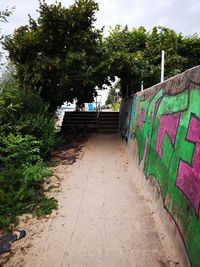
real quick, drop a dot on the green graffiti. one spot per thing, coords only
(167, 130)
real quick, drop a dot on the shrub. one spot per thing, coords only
(26, 136)
(46, 206)
(21, 191)
(17, 149)
(115, 106)
(22, 173)
(42, 127)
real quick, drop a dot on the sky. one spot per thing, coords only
(180, 15)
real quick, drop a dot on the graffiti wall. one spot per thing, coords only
(164, 121)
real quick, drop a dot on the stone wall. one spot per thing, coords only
(161, 128)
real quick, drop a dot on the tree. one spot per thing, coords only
(126, 50)
(190, 50)
(112, 93)
(3, 19)
(135, 55)
(162, 38)
(60, 55)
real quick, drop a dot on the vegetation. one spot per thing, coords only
(60, 56)
(25, 139)
(112, 95)
(3, 18)
(112, 100)
(115, 106)
(135, 55)
(26, 136)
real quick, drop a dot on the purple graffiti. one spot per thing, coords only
(188, 178)
(141, 119)
(157, 106)
(169, 125)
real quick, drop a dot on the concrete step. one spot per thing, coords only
(79, 120)
(108, 122)
(77, 124)
(108, 117)
(109, 112)
(107, 130)
(77, 117)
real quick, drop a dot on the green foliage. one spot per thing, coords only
(46, 206)
(42, 127)
(21, 177)
(36, 121)
(162, 38)
(4, 14)
(135, 55)
(190, 50)
(115, 106)
(10, 102)
(15, 150)
(21, 191)
(60, 56)
(25, 112)
(30, 187)
(112, 95)
(26, 135)
(126, 50)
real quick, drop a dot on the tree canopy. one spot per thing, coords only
(126, 50)
(61, 56)
(4, 14)
(112, 95)
(136, 55)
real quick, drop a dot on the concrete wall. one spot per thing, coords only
(161, 127)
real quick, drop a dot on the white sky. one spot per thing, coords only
(180, 15)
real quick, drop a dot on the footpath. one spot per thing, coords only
(106, 218)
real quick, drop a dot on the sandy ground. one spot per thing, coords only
(105, 217)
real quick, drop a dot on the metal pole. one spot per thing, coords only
(117, 92)
(142, 86)
(162, 66)
(96, 104)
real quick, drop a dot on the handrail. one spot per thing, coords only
(99, 108)
(98, 113)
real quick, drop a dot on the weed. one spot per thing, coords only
(46, 206)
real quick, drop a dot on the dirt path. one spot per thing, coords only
(105, 219)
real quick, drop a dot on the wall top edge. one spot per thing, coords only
(185, 80)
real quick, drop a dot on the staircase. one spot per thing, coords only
(79, 119)
(107, 122)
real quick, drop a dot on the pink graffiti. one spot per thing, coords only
(157, 106)
(151, 117)
(188, 178)
(168, 124)
(145, 148)
(141, 119)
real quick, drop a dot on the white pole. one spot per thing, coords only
(117, 92)
(142, 86)
(162, 66)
